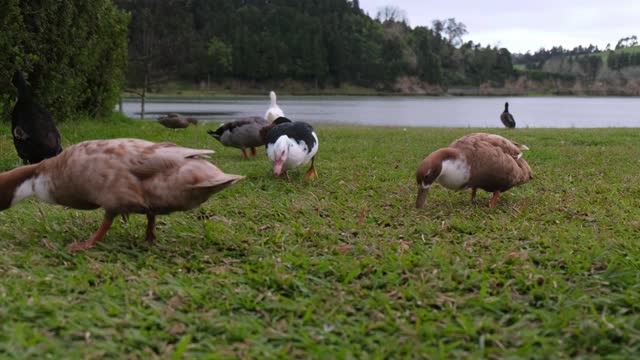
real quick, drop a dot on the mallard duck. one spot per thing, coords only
(35, 135)
(290, 145)
(177, 121)
(274, 111)
(486, 161)
(506, 117)
(242, 134)
(122, 176)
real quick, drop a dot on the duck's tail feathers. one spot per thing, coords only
(215, 134)
(221, 181)
(520, 146)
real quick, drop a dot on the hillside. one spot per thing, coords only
(579, 72)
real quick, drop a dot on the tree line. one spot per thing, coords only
(588, 56)
(321, 42)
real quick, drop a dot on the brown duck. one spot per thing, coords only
(122, 176)
(177, 121)
(477, 161)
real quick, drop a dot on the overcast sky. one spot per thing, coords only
(527, 25)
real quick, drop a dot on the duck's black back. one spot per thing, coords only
(35, 135)
(297, 130)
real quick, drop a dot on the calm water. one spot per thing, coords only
(559, 112)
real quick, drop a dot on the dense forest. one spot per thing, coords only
(321, 42)
(78, 56)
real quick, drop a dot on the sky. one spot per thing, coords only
(527, 25)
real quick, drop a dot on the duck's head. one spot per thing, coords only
(429, 171)
(281, 152)
(192, 120)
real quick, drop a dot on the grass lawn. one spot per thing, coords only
(275, 269)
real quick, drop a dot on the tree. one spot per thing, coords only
(160, 43)
(73, 53)
(627, 42)
(429, 68)
(454, 31)
(392, 14)
(220, 58)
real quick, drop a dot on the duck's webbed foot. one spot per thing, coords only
(97, 236)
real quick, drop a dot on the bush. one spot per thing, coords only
(74, 54)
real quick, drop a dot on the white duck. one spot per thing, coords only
(122, 176)
(290, 145)
(274, 110)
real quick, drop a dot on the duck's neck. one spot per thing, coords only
(272, 95)
(21, 183)
(21, 85)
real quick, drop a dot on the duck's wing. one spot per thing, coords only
(482, 140)
(496, 162)
(161, 157)
(508, 120)
(235, 125)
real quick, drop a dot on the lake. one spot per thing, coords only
(538, 112)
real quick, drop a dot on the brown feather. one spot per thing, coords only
(496, 163)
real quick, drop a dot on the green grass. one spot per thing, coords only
(277, 269)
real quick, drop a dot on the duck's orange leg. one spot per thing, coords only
(494, 199)
(97, 236)
(253, 151)
(151, 226)
(311, 173)
(473, 195)
(244, 152)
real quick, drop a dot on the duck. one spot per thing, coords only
(289, 145)
(477, 161)
(122, 176)
(177, 121)
(241, 133)
(35, 135)
(274, 111)
(506, 117)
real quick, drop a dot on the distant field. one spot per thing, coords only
(279, 269)
(605, 54)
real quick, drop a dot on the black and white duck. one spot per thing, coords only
(290, 144)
